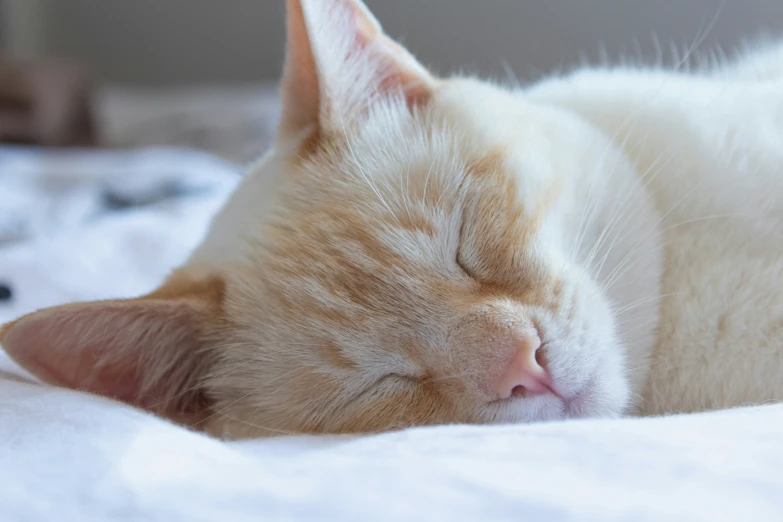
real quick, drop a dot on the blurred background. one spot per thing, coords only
(197, 61)
(169, 42)
(124, 123)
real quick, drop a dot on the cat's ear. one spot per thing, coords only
(151, 352)
(337, 60)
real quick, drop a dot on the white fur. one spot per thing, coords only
(715, 144)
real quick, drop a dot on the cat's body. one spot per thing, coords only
(418, 251)
(711, 145)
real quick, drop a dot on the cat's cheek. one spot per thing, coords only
(606, 394)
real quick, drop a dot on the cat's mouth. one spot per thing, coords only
(576, 404)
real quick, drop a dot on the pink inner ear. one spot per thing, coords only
(338, 57)
(61, 347)
(139, 351)
(300, 87)
(396, 67)
(60, 357)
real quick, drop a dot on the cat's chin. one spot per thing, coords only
(583, 404)
(600, 396)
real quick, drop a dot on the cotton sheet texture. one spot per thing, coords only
(93, 225)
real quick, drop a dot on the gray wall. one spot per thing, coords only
(180, 41)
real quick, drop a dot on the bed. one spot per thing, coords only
(94, 224)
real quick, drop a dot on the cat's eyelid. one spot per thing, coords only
(457, 257)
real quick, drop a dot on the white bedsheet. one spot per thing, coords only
(91, 225)
(67, 456)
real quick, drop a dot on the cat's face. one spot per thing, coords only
(398, 266)
(406, 255)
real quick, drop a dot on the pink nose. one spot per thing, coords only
(524, 375)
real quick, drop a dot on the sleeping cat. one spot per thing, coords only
(418, 250)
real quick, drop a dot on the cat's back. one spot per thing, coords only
(709, 146)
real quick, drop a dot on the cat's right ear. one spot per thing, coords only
(337, 61)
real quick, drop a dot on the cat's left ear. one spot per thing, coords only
(338, 60)
(154, 352)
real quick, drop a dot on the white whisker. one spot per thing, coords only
(361, 170)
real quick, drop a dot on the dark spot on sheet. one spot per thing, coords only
(115, 200)
(5, 293)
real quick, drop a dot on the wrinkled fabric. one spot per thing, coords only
(68, 456)
(79, 225)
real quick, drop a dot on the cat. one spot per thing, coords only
(417, 250)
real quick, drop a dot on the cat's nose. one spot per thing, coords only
(524, 375)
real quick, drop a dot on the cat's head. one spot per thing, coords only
(407, 254)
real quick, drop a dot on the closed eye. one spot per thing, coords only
(379, 385)
(458, 257)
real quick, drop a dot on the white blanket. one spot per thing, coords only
(92, 225)
(68, 456)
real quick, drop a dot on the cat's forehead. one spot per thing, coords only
(399, 175)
